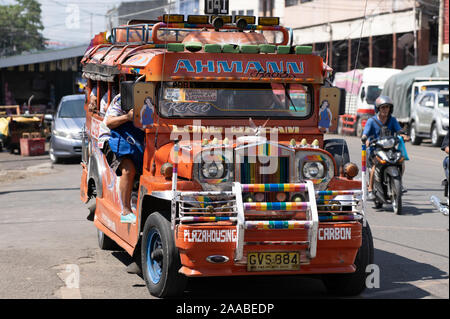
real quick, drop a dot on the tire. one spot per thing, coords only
(355, 283)
(53, 157)
(436, 140)
(415, 140)
(161, 259)
(396, 195)
(104, 242)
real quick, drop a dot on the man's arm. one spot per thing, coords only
(115, 121)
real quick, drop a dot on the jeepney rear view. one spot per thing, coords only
(237, 177)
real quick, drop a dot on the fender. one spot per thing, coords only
(392, 171)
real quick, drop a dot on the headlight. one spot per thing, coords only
(65, 134)
(313, 170)
(316, 166)
(386, 142)
(213, 169)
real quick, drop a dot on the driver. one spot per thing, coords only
(383, 119)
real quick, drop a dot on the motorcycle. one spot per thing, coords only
(387, 184)
(437, 203)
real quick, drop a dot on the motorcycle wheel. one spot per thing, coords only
(396, 195)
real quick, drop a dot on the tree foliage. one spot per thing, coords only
(21, 27)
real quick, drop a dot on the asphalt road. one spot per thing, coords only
(49, 250)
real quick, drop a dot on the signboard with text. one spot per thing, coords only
(216, 6)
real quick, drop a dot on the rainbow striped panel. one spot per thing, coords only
(363, 158)
(273, 187)
(339, 218)
(277, 224)
(317, 158)
(207, 219)
(263, 206)
(335, 193)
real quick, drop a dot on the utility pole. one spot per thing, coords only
(441, 30)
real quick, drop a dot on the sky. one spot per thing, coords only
(73, 22)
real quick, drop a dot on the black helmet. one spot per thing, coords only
(384, 100)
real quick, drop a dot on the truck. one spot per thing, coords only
(362, 87)
(237, 179)
(404, 88)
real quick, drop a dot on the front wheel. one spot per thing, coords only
(436, 140)
(396, 194)
(161, 259)
(355, 283)
(415, 140)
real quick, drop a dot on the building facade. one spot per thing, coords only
(386, 33)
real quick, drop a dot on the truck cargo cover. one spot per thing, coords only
(398, 87)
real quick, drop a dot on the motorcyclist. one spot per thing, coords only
(381, 120)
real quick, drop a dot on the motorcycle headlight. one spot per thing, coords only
(386, 142)
(313, 170)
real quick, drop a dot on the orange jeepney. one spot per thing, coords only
(237, 178)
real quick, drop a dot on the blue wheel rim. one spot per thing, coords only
(154, 268)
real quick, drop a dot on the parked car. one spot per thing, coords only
(67, 126)
(430, 117)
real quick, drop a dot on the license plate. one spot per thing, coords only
(266, 261)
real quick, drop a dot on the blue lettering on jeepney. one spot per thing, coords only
(294, 67)
(256, 66)
(199, 66)
(184, 64)
(237, 67)
(223, 65)
(274, 66)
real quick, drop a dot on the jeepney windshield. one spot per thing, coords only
(229, 99)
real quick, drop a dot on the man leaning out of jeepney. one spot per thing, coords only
(123, 147)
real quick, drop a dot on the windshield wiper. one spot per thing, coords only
(288, 96)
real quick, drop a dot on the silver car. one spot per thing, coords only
(67, 126)
(429, 117)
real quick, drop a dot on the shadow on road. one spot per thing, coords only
(397, 275)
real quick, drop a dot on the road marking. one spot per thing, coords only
(70, 275)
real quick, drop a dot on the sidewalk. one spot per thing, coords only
(15, 166)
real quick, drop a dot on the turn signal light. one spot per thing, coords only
(173, 18)
(351, 170)
(269, 21)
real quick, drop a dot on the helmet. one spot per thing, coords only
(383, 100)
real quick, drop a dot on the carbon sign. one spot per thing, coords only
(216, 6)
